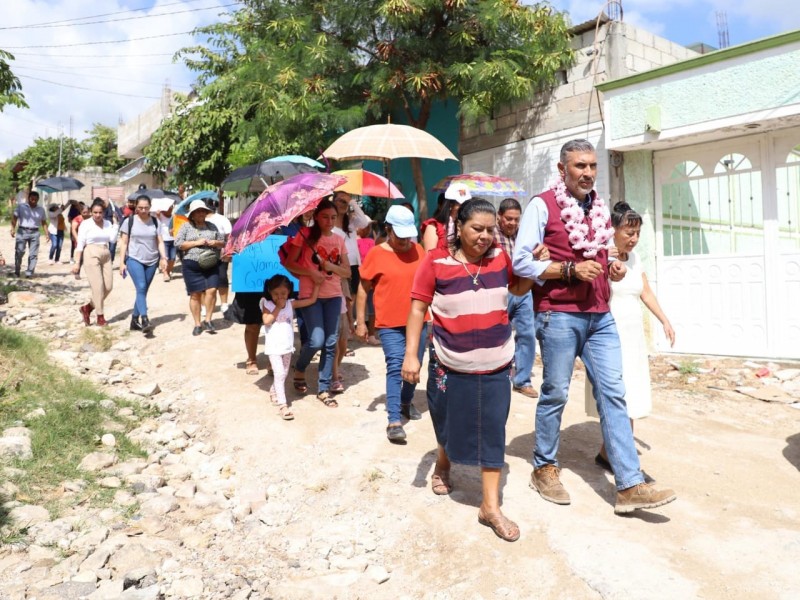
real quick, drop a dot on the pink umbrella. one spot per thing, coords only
(279, 205)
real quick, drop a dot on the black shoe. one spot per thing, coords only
(410, 412)
(135, 325)
(197, 330)
(396, 434)
(209, 327)
(146, 326)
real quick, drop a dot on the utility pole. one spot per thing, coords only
(60, 147)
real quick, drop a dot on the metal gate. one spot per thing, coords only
(728, 244)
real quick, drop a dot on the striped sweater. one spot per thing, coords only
(471, 330)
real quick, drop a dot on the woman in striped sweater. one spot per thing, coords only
(466, 286)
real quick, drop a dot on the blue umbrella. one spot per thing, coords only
(183, 205)
(296, 158)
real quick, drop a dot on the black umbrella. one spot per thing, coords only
(152, 193)
(59, 184)
(255, 178)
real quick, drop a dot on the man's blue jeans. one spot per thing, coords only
(56, 243)
(30, 239)
(398, 392)
(321, 321)
(593, 337)
(520, 313)
(142, 276)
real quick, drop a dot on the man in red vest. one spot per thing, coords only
(570, 298)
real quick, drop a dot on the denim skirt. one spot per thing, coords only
(469, 413)
(196, 279)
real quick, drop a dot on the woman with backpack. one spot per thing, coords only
(142, 251)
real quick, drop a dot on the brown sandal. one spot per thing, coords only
(503, 527)
(327, 400)
(286, 412)
(299, 383)
(440, 483)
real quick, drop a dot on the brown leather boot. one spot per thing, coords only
(86, 310)
(101, 321)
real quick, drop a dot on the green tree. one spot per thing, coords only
(303, 73)
(193, 143)
(101, 148)
(43, 158)
(10, 87)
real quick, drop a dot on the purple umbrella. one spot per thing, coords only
(278, 205)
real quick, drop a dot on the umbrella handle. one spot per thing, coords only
(325, 158)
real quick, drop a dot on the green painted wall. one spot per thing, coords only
(725, 89)
(639, 193)
(443, 125)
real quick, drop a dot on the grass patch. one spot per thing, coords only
(69, 429)
(688, 368)
(101, 338)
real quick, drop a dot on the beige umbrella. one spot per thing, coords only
(386, 142)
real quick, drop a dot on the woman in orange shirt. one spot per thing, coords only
(389, 270)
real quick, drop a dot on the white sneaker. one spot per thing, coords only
(202, 311)
(224, 307)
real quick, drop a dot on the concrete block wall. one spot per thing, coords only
(620, 49)
(134, 135)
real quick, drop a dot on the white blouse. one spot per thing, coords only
(91, 233)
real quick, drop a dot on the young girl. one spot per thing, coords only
(277, 313)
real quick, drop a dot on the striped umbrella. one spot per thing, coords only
(482, 184)
(365, 183)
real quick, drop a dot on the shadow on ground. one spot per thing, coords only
(792, 450)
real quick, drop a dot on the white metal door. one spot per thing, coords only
(728, 257)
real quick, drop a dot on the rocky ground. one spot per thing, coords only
(233, 502)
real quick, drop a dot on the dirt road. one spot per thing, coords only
(734, 531)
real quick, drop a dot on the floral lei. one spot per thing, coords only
(572, 215)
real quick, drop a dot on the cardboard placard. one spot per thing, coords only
(257, 263)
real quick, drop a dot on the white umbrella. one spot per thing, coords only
(387, 142)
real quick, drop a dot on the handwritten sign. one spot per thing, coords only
(257, 263)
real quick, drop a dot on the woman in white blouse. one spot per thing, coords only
(94, 236)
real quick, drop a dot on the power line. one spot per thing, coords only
(115, 66)
(94, 55)
(120, 12)
(76, 74)
(149, 37)
(166, 14)
(29, 65)
(77, 87)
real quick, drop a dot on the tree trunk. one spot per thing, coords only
(419, 183)
(416, 164)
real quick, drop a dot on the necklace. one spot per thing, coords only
(573, 216)
(473, 277)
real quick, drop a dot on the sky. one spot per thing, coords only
(71, 78)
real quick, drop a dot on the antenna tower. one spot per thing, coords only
(722, 29)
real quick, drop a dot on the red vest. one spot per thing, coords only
(579, 296)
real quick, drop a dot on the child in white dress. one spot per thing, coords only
(277, 314)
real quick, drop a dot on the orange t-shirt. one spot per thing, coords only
(330, 248)
(392, 276)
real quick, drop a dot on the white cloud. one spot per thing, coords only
(138, 68)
